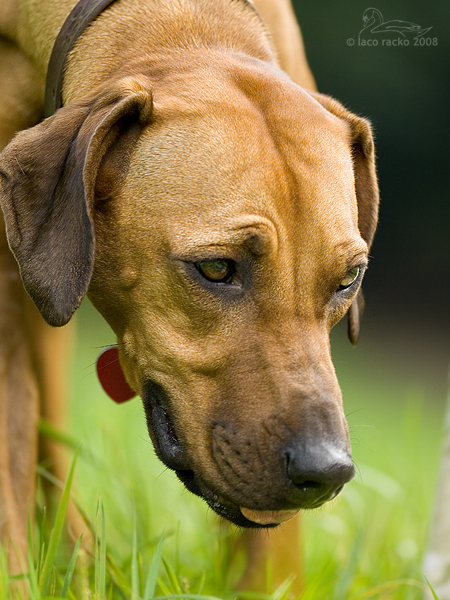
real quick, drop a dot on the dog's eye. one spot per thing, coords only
(349, 279)
(217, 271)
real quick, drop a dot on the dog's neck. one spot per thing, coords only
(81, 16)
(83, 13)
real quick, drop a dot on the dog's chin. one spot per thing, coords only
(224, 509)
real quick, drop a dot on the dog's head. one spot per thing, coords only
(221, 221)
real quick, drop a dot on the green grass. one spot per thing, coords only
(152, 539)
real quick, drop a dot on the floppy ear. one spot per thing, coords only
(47, 182)
(366, 187)
(367, 196)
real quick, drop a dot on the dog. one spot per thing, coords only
(218, 212)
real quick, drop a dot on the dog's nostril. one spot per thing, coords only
(318, 472)
(309, 485)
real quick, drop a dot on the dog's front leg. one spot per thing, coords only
(273, 556)
(19, 401)
(19, 409)
(51, 347)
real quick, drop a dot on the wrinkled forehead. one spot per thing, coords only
(211, 165)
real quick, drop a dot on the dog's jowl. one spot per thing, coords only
(217, 211)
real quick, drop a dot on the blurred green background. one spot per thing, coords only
(404, 91)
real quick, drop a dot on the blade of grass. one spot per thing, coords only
(103, 554)
(432, 591)
(172, 577)
(41, 559)
(118, 576)
(97, 554)
(283, 590)
(52, 433)
(71, 568)
(163, 587)
(135, 591)
(30, 531)
(32, 576)
(389, 586)
(4, 578)
(41, 546)
(57, 531)
(197, 597)
(344, 583)
(152, 577)
(44, 474)
(253, 596)
(100, 551)
(201, 583)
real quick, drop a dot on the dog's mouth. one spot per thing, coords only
(309, 493)
(171, 452)
(240, 516)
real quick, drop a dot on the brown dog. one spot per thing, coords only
(219, 217)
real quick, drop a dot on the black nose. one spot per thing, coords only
(317, 472)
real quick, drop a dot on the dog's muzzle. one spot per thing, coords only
(299, 474)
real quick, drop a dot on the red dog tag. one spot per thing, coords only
(111, 376)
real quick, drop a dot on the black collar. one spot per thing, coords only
(83, 13)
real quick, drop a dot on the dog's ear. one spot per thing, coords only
(48, 178)
(366, 187)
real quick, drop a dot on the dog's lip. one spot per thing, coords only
(222, 507)
(171, 451)
(268, 517)
(161, 428)
(240, 515)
